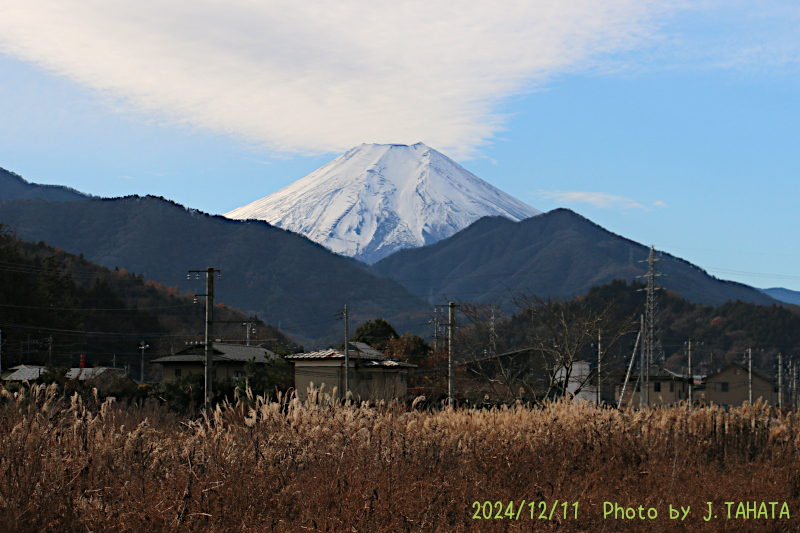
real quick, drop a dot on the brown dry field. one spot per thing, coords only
(74, 465)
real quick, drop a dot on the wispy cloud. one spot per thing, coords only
(318, 76)
(597, 199)
(659, 203)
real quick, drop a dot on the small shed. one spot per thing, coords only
(228, 360)
(373, 376)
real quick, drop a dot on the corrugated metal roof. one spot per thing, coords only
(83, 374)
(26, 373)
(222, 352)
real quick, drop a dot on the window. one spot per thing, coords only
(656, 387)
(721, 386)
(177, 372)
(238, 374)
(672, 386)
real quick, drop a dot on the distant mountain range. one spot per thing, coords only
(558, 254)
(377, 199)
(290, 281)
(784, 295)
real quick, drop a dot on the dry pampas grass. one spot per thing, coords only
(73, 464)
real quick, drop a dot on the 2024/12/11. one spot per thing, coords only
(499, 511)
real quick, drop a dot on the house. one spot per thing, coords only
(373, 376)
(666, 388)
(731, 386)
(228, 360)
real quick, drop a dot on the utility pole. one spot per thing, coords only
(451, 324)
(346, 354)
(750, 375)
(780, 380)
(249, 326)
(599, 362)
(691, 377)
(209, 381)
(50, 352)
(142, 347)
(642, 365)
(451, 327)
(435, 330)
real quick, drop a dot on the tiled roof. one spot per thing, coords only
(368, 356)
(358, 350)
(222, 352)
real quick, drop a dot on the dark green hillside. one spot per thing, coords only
(559, 254)
(282, 277)
(726, 331)
(55, 306)
(720, 334)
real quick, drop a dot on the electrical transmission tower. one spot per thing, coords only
(650, 316)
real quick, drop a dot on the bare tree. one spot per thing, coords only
(534, 353)
(487, 355)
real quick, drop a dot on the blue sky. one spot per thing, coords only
(672, 123)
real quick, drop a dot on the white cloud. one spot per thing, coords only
(318, 76)
(659, 203)
(597, 199)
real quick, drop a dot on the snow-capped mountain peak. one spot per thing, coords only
(376, 199)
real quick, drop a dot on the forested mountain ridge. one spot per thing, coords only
(284, 278)
(558, 254)
(13, 186)
(56, 306)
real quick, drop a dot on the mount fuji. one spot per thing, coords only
(376, 199)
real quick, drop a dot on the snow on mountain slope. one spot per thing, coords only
(379, 198)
